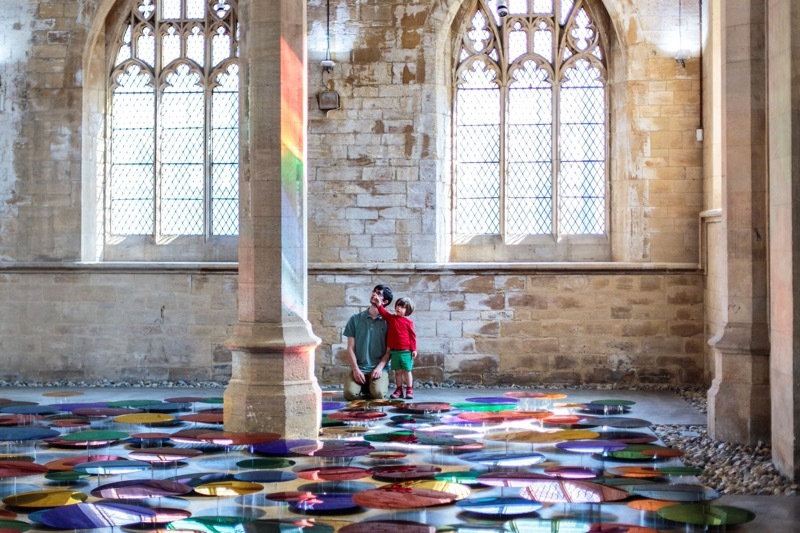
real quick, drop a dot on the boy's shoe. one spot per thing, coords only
(398, 392)
(409, 393)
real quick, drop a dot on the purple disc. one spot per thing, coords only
(95, 515)
(573, 472)
(70, 407)
(265, 476)
(281, 446)
(335, 449)
(497, 400)
(591, 446)
(141, 488)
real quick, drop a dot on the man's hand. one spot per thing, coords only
(413, 354)
(358, 376)
(377, 371)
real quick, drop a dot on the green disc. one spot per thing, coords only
(464, 477)
(14, 525)
(613, 402)
(484, 407)
(95, 435)
(680, 471)
(263, 464)
(706, 515)
(66, 476)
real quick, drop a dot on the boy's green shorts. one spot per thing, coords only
(401, 359)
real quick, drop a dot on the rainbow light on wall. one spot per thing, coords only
(293, 243)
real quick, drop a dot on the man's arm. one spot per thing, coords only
(376, 372)
(358, 375)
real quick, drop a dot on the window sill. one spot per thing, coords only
(502, 268)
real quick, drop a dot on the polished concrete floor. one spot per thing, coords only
(261, 499)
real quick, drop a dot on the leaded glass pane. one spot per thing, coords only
(225, 154)
(170, 9)
(543, 42)
(517, 43)
(124, 53)
(220, 46)
(170, 45)
(479, 106)
(582, 198)
(516, 7)
(132, 154)
(529, 216)
(478, 142)
(582, 150)
(479, 76)
(182, 199)
(221, 8)
(543, 6)
(196, 45)
(582, 31)
(479, 35)
(566, 8)
(146, 47)
(146, 9)
(478, 199)
(132, 204)
(195, 9)
(182, 154)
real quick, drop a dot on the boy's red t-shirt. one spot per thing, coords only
(401, 334)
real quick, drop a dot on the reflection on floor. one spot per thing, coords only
(453, 460)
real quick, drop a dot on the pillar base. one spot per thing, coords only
(273, 387)
(739, 397)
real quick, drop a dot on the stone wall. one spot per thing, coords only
(519, 326)
(530, 327)
(117, 324)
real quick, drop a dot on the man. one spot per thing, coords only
(366, 351)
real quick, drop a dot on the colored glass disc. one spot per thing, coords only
(45, 498)
(707, 515)
(499, 506)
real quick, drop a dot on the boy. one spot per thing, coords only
(401, 340)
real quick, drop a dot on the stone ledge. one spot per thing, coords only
(124, 267)
(501, 268)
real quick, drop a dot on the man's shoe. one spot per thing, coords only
(398, 392)
(409, 393)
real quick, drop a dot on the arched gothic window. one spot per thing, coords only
(174, 122)
(531, 122)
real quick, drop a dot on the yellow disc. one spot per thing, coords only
(343, 431)
(541, 437)
(45, 498)
(228, 488)
(372, 404)
(456, 489)
(144, 418)
(62, 394)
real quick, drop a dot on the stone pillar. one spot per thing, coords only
(784, 186)
(273, 387)
(738, 407)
